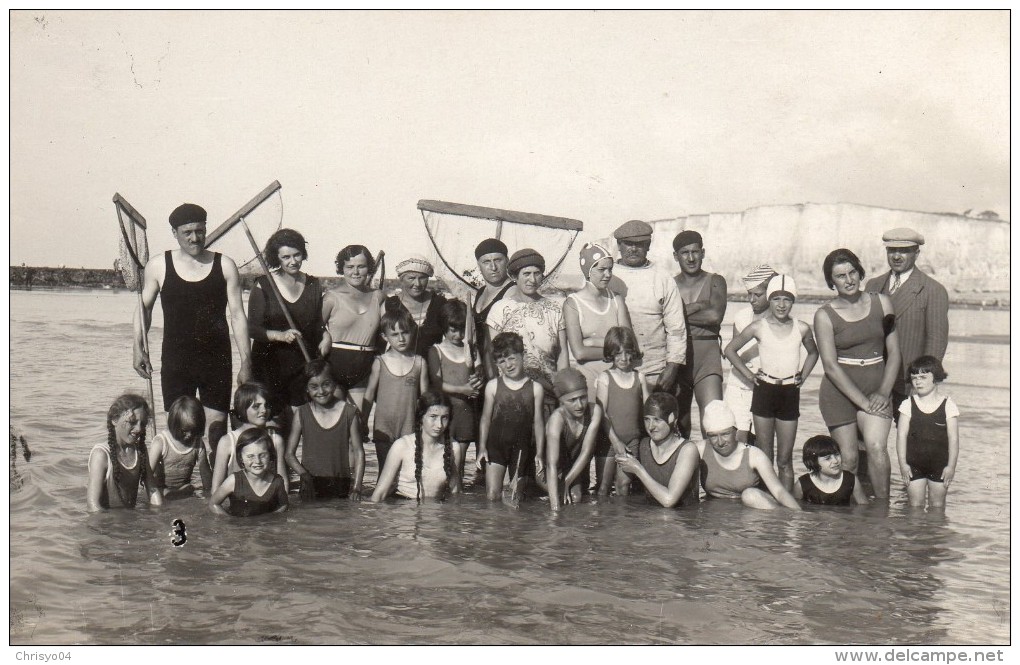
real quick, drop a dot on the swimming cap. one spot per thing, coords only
(567, 381)
(524, 258)
(758, 276)
(685, 238)
(781, 284)
(187, 213)
(490, 246)
(415, 263)
(718, 417)
(591, 254)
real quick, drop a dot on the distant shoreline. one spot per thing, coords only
(26, 278)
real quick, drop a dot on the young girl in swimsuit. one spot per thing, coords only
(620, 391)
(827, 483)
(116, 467)
(175, 451)
(664, 462)
(251, 409)
(775, 402)
(421, 465)
(398, 377)
(453, 368)
(928, 436)
(331, 433)
(570, 436)
(255, 489)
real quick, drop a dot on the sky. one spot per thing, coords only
(597, 116)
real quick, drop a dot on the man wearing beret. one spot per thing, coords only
(704, 295)
(656, 308)
(196, 287)
(492, 257)
(921, 305)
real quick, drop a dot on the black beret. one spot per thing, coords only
(490, 246)
(685, 238)
(187, 213)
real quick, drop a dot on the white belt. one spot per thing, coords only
(352, 347)
(860, 362)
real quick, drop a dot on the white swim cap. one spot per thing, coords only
(717, 417)
(782, 284)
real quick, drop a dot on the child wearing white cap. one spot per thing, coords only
(738, 389)
(775, 403)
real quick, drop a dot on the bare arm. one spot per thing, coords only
(153, 276)
(423, 378)
(902, 432)
(484, 424)
(292, 443)
(281, 462)
(539, 427)
(732, 350)
(222, 461)
(238, 321)
(953, 430)
(808, 340)
(562, 360)
(710, 312)
(763, 465)
(204, 472)
(388, 475)
(220, 494)
(683, 474)
(358, 450)
(553, 434)
(155, 450)
(575, 337)
(98, 464)
(369, 398)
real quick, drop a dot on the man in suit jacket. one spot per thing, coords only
(921, 304)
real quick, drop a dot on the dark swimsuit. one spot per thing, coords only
(927, 443)
(244, 502)
(196, 339)
(841, 497)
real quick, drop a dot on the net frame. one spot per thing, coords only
(134, 246)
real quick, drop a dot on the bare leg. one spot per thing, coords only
(494, 475)
(916, 491)
(753, 497)
(216, 428)
(605, 474)
(765, 439)
(622, 483)
(459, 453)
(936, 495)
(846, 438)
(786, 436)
(875, 432)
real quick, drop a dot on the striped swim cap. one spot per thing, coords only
(758, 276)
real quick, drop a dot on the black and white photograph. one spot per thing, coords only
(572, 328)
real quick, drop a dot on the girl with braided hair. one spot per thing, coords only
(117, 466)
(421, 465)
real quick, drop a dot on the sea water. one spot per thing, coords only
(468, 572)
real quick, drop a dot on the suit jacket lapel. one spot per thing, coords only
(906, 296)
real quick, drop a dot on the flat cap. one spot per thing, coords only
(635, 230)
(902, 237)
(187, 213)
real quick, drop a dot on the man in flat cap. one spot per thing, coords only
(704, 295)
(656, 308)
(196, 287)
(921, 305)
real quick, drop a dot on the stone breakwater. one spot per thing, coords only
(970, 256)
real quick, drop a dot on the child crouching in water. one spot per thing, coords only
(256, 489)
(570, 436)
(117, 466)
(927, 436)
(175, 451)
(827, 483)
(511, 430)
(421, 464)
(331, 434)
(664, 462)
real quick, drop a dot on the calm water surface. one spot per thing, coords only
(466, 572)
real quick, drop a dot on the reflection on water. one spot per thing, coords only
(468, 572)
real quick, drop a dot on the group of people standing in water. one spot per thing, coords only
(541, 388)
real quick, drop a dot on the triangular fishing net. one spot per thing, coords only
(456, 229)
(134, 246)
(263, 216)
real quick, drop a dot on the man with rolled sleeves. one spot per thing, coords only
(921, 305)
(656, 308)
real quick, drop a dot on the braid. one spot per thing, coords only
(448, 458)
(143, 459)
(419, 445)
(111, 441)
